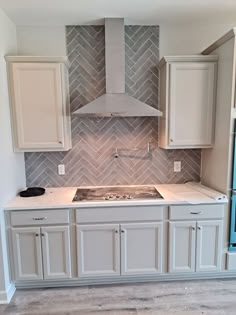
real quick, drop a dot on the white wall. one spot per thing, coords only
(12, 165)
(33, 40)
(189, 39)
(174, 39)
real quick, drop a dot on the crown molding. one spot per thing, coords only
(187, 58)
(48, 59)
(230, 34)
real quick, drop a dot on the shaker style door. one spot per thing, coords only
(56, 252)
(98, 248)
(27, 253)
(141, 248)
(182, 245)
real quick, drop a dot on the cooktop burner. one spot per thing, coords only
(117, 193)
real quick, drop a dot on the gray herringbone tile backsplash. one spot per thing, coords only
(91, 160)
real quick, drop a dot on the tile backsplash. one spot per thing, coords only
(91, 160)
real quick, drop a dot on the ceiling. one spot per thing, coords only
(72, 12)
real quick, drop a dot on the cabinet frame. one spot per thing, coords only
(173, 226)
(167, 67)
(125, 228)
(112, 228)
(59, 66)
(35, 232)
(41, 235)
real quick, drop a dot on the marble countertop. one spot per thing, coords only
(58, 198)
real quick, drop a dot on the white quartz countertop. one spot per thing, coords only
(57, 198)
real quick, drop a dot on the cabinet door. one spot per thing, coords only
(209, 245)
(141, 248)
(191, 104)
(37, 99)
(98, 250)
(56, 252)
(27, 253)
(182, 245)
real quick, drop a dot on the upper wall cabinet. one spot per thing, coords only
(187, 97)
(39, 103)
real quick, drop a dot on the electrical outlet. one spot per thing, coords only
(61, 169)
(177, 166)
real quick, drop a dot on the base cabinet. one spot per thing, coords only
(195, 246)
(27, 253)
(56, 252)
(98, 249)
(141, 248)
(182, 240)
(209, 245)
(41, 253)
(113, 249)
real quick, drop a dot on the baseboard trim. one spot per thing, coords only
(124, 280)
(6, 296)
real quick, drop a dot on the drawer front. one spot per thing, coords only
(119, 214)
(196, 212)
(39, 217)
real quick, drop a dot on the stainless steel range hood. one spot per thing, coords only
(116, 102)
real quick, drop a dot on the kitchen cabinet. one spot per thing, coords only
(187, 100)
(195, 245)
(41, 252)
(56, 252)
(182, 239)
(101, 248)
(209, 245)
(39, 103)
(98, 248)
(27, 253)
(141, 248)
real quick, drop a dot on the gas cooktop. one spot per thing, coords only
(117, 193)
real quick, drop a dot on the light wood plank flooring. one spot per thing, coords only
(212, 297)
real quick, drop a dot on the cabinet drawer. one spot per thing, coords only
(196, 212)
(39, 217)
(119, 214)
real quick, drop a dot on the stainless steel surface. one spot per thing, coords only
(117, 193)
(116, 154)
(115, 103)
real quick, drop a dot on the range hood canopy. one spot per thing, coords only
(116, 102)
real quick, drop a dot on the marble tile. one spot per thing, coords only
(212, 297)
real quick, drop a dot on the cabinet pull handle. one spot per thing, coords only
(39, 218)
(122, 231)
(196, 212)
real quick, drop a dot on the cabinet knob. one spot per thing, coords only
(171, 140)
(193, 228)
(60, 142)
(42, 234)
(36, 234)
(199, 227)
(116, 231)
(122, 231)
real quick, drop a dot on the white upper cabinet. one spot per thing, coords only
(39, 104)
(187, 97)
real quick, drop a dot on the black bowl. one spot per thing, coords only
(32, 192)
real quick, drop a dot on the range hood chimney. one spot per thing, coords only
(116, 102)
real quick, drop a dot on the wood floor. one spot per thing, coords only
(212, 297)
